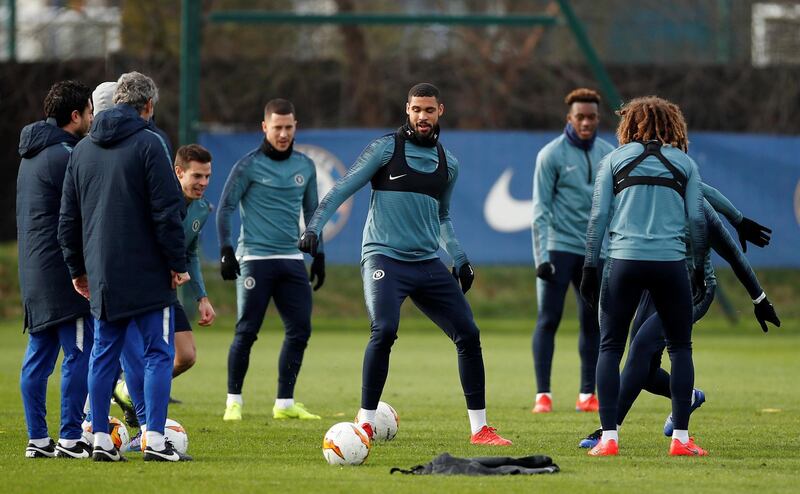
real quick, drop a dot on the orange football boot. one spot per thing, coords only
(489, 437)
(543, 405)
(590, 404)
(607, 448)
(677, 448)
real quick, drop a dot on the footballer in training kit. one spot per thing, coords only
(270, 186)
(646, 192)
(56, 316)
(642, 369)
(562, 200)
(412, 177)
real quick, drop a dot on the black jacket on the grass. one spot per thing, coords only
(121, 215)
(48, 297)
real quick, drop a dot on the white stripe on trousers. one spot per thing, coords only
(79, 333)
(165, 325)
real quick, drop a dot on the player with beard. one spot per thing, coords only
(412, 178)
(270, 185)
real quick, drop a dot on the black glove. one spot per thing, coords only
(698, 286)
(465, 275)
(750, 231)
(228, 265)
(546, 271)
(764, 312)
(308, 243)
(590, 286)
(317, 271)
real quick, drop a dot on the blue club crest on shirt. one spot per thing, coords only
(299, 180)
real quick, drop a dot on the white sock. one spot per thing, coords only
(40, 443)
(477, 419)
(539, 395)
(609, 435)
(103, 440)
(585, 396)
(86, 406)
(68, 443)
(284, 402)
(366, 416)
(155, 440)
(681, 435)
(234, 399)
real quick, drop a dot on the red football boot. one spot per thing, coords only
(543, 405)
(607, 448)
(677, 448)
(489, 437)
(590, 404)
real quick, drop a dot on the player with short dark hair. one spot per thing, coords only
(646, 193)
(412, 177)
(271, 186)
(55, 316)
(563, 182)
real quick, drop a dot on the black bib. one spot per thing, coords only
(397, 176)
(623, 180)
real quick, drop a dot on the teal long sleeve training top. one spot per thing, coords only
(401, 225)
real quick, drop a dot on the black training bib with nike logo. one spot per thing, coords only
(397, 176)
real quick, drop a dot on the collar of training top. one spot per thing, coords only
(576, 141)
(274, 154)
(407, 132)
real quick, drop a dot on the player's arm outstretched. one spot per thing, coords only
(724, 245)
(235, 186)
(462, 269)
(748, 230)
(367, 164)
(602, 198)
(310, 204)
(545, 176)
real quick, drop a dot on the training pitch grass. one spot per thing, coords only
(750, 424)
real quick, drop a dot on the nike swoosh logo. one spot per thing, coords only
(504, 213)
(171, 457)
(570, 168)
(115, 456)
(399, 176)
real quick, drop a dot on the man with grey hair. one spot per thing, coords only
(121, 235)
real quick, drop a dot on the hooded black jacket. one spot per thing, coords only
(48, 297)
(121, 216)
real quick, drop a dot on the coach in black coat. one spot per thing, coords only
(47, 293)
(121, 216)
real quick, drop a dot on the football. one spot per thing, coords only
(386, 422)
(116, 429)
(345, 444)
(176, 435)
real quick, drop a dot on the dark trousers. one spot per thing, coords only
(285, 281)
(550, 297)
(624, 281)
(75, 338)
(434, 290)
(642, 369)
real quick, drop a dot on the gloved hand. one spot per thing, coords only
(590, 286)
(764, 312)
(308, 243)
(228, 265)
(750, 231)
(465, 275)
(546, 271)
(698, 286)
(317, 271)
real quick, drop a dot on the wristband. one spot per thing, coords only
(760, 298)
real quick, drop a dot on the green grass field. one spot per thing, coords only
(750, 425)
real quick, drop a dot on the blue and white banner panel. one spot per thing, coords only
(492, 207)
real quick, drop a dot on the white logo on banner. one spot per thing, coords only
(329, 170)
(504, 213)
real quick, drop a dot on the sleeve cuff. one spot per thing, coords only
(760, 298)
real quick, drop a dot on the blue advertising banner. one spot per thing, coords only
(492, 203)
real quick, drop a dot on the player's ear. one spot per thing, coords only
(264, 126)
(441, 109)
(408, 109)
(179, 171)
